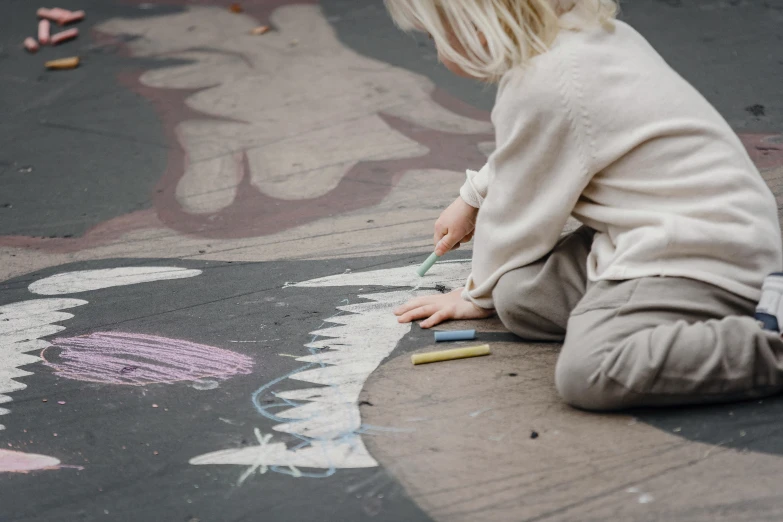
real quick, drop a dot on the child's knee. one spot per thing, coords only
(583, 384)
(519, 307)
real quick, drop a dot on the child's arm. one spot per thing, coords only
(543, 162)
(456, 224)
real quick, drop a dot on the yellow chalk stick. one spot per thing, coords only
(63, 63)
(448, 355)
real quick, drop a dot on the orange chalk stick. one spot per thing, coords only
(44, 27)
(71, 17)
(68, 34)
(261, 29)
(63, 63)
(31, 45)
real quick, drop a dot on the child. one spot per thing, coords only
(654, 296)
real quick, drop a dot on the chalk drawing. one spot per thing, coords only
(18, 462)
(286, 158)
(139, 359)
(21, 327)
(326, 419)
(23, 324)
(87, 280)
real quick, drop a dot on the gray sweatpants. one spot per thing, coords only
(652, 341)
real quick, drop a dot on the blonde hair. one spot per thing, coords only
(515, 30)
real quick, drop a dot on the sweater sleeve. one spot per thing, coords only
(474, 190)
(540, 168)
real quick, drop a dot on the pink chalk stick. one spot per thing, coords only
(44, 27)
(59, 13)
(72, 17)
(31, 45)
(52, 14)
(68, 34)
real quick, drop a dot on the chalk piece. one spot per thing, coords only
(46, 13)
(449, 355)
(455, 335)
(44, 27)
(424, 268)
(31, 45)
(62, 36)
(71, 17)
(55, 14)
(63, 63)
(58, 12)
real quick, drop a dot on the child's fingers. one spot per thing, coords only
(412, 304)
(440, 232)
(419, 313)
(435, 319)
(445, 244)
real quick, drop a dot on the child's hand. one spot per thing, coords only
(438, 308)
(454, 226)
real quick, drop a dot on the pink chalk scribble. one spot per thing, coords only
(137, 359)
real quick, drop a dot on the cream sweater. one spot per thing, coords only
(601, 128)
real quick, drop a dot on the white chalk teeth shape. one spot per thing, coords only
(327, 419)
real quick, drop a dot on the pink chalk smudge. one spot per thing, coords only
(138, 359)
(19, 462)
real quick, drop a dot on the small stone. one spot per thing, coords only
(60, 402)
(533, 434)
(677, 430)
(44, 400)
(154, 405)
(756, 110)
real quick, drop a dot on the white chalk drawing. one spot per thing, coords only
(300, 64)
(88, 280)
(326, 419)
(23, 324)
(21, 327)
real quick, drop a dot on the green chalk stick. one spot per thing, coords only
(425, 266)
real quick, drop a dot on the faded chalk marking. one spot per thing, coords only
(106, 356)
(205, 384)
(87, 280)
(479, 412)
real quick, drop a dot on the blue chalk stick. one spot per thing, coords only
(455, 335)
